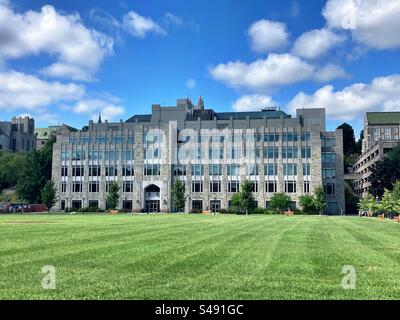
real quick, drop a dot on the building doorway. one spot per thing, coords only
(215, 205)
(152, 198)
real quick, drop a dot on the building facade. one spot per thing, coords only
(381, 135)
(211, 152)
(18, 135)
(44, 134)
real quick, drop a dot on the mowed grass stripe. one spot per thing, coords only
(197, 257)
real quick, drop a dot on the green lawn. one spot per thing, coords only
(198, 257)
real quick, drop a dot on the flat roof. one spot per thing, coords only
(383, 117)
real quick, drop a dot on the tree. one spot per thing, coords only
(178, 196)
(280, 202)
(113, 195)
(48, 194)
(388, 203)
(246, 196)
(320, 199)
(385, 173)
(35, 173)
(349, 140)
(367, 203)
(11, 165)
(235, 200)
(306, 203)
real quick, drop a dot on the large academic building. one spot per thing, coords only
(211, 152)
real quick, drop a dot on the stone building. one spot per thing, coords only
(381, 134)
(212, 152)
(44, 134)
(18, 135)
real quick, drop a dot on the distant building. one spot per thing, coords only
(211, 152)
(18, 135)
(44, 134)
(381, 134)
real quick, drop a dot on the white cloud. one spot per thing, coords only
(372, 23)
(139, 26)
(382, 94)
(329, 72)
(61, 70)
(21, 91)
(266, 35)
(93, 107)
(63, 37)
(254, 102)
(315, 43)
(191, 83)
(274, 71)
(170, 18)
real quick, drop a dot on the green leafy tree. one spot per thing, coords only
(349, 140)
(246, 196)
(396, 196)
(385, 173)
(368, 203)
(320, 199)
(35, 173)
(113, 195)
(49, 195)
(388, 203)
(306, 202)
(280, 202)
(235, 200)
(11, 165)
(178, 195)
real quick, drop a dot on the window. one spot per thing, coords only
(197, 170)
(233, 170)
(197, 204)
(62, 205)
(179, 170)
(271, 137)
(271, 187)
(290, 169)
(76, 204)
(233, 186)
(328, 173)
(111, 171)
(271, 153)
(305, 136)
(77, 171)
(151, 169)
(254, 186)
(215, 170)
(215, 153)
(94, 171)
(93, 186)
(329, 189)
(63, 187)
(252, 170)
(306, 169)
(215, 186)
(127, 186)
(306, 186)
(127, 155)
(289, 152)
(290, 186)
(270, 169)
(197, 186)
(290, 136)
(93, 203)
(236, 153)
(306, 152)
(328, 157)
(77, 186)
(111, 155)
(127, 205)
(127, 170)
(64, 171)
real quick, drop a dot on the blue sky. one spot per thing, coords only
(68, 61)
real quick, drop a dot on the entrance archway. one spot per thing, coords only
(152, 198)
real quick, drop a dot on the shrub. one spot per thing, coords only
(259, 211)
(197, 211)
(279, 202)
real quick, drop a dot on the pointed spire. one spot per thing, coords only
(200, 103)
(99, 121)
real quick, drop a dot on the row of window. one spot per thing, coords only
(197, 170)
(101, 140)
(108, 155)
(256, 137)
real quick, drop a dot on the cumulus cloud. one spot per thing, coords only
(315, 43)
(139, 26)
(254, 102)
(382, 94)
(375, 24)
(274, 71)
(61, 70)
(330, 72)
(47, 31)
(21, 91)
(266, 35)
(92, 107)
